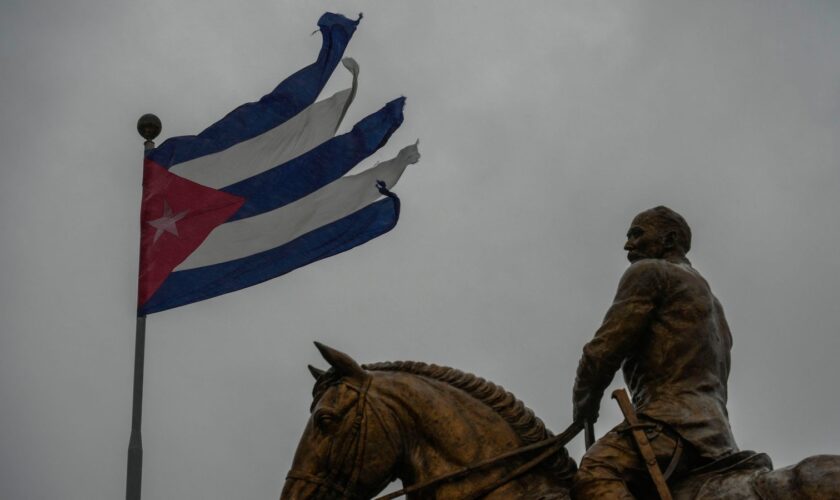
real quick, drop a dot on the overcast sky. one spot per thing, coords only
(544, 128)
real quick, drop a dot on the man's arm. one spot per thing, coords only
(626, 322)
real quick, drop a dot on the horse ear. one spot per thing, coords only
(343, 364)
(316, 372)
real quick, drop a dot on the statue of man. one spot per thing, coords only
(668, 334)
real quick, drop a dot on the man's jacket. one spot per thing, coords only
(668, 334)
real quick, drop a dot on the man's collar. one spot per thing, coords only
(677, 259)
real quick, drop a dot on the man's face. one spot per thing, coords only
(645, 240)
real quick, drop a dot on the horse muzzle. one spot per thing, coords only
(304, 486)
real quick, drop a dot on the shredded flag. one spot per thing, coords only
(263, 191)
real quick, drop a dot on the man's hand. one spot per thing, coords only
(585, 407)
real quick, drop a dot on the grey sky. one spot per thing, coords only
(543, 131)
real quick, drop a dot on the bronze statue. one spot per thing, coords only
(668, 334)
(448, 435)
(417, 423)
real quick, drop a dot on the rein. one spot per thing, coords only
(554, 444)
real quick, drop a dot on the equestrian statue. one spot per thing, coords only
(449, 435)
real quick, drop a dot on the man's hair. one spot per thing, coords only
(669, 220)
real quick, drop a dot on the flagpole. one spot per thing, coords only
(149, 127)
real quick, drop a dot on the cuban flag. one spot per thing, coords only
(263, 191)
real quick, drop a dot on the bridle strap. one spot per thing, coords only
(361, 432)
(357, 445)
(556, 443)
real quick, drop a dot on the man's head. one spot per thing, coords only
(657, 233)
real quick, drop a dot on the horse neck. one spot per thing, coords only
(444, 428)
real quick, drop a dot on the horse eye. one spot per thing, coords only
(324, 419)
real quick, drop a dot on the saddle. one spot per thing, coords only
(728, 477)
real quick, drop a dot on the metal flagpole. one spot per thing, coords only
(149, 127)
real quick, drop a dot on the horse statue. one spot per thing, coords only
(446, 434)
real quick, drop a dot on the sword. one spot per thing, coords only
(642, 443)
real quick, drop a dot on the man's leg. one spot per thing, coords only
(613, 466)
(602, 470)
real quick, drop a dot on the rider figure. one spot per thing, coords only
(668, 334)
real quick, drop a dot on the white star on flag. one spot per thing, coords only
(167, 222)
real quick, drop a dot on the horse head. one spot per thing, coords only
(424, 425)
(350, 447)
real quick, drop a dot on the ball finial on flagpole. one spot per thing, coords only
(149, 126)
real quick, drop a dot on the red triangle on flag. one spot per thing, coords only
(176, 216)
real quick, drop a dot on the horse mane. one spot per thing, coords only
(527, 426)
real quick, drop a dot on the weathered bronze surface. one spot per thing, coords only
(450, 435)
(417, 422)
(668, 334)
(414, 422)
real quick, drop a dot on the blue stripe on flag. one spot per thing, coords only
(186, 287)
(289, 98)
(311, 171)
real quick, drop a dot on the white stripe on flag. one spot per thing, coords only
(292, 138)
(268, 230)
